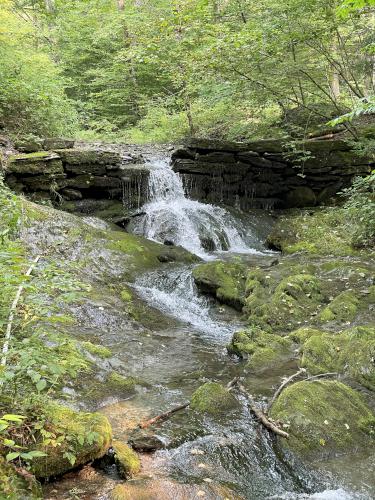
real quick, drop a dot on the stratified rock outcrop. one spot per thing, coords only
(268, 173)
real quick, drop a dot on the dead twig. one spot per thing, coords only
(283, 385)
(263, 419)
(321, 375)
(162, 417)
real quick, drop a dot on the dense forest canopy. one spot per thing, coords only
(159, 70)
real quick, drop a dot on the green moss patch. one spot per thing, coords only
(212, 398)
(119, 383)
(127, 461)
(262, 350)
(73, 438)
(343, 308)
(324, 417)
(321, 231)
(97, 350)
(283, 306)
(351, 353)
(223, 280)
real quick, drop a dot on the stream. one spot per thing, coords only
(230, 457)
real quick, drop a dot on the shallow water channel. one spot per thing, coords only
(183, 346)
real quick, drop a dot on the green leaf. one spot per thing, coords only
(13, 418)
(42, 384)
(11, 456)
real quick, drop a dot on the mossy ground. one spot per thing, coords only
(319, 232)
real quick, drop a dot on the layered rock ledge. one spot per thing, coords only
(79, 173)
(268, 173)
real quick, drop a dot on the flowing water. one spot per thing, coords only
(229, 457)
(171, 217)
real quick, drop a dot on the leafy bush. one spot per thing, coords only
(361, 209)
(32, 95)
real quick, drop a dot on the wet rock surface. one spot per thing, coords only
(266, 173)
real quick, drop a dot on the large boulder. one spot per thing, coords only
(350, 353)
(324, 417)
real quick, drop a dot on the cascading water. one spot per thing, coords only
(171, 217)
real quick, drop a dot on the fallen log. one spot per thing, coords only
(162, 417)
(263, 419)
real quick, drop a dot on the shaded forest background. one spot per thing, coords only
(161, 70)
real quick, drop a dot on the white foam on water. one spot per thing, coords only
(170, 216)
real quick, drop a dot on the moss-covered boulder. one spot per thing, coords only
(73, 438)
(15, 487)
(43, 162)
(342, 308)
(284, 305)
(351, 352)
(223, 280)
(262, 350)
(212, 398)
(127, 461)
(324, 417)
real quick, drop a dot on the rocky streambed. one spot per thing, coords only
(145, 327)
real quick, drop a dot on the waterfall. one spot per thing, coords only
(170, 217)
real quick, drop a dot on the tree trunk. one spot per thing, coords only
(121, 4)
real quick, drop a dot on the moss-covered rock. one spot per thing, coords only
(127, 461)
(285, 305)
(262, 350)
(223, 280)
(342, 308)
(212, 398)
(324, 417)
(118, 383)
(15, 487)
(75, 439)
(302, 334)
(350, 352)
(35, 163)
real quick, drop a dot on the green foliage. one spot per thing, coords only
(360, 206)
(32, 97)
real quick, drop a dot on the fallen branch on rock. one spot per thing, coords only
(162, 417)
(283, 385)
(321, 375)
(261, 416)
